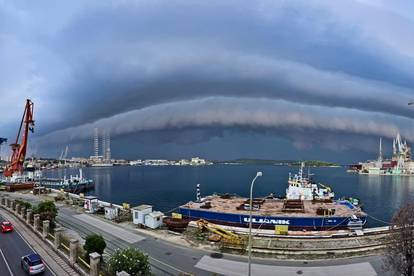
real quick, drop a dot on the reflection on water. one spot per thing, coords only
(102, 179)
(168, 187)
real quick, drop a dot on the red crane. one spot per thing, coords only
(19, 149)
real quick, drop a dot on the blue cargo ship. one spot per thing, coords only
(307, 206)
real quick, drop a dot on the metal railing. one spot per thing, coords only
(85, 263)
(64, 246)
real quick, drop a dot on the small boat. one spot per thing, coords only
(176, 224)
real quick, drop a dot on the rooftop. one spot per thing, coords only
(142, 207)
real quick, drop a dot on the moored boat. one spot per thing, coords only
(176, 224)
(306, 207)
(73, 184)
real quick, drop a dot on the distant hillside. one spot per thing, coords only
(248, 161)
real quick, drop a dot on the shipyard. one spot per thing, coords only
(401, 163)
(223, 138)
(308, 209)
(218, 222)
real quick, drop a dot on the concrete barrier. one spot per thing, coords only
(29, 213)
(73, 251)
(36, 222)
(94, 259)
(58, 238)
(45, 232)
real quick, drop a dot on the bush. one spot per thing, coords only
(94, 243)
(130, 260)
(24, 203)
(47, 211)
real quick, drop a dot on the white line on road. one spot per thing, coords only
(234, 268)
(5, 261)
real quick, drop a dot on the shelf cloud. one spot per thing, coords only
(249, 113)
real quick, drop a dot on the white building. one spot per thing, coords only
(197, 161)
(139, 213)
(111, 212)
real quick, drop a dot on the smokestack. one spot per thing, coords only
(104, 145)
(96, 142)
(108, 145)
(380, 150)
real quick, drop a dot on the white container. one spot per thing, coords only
(91, 204)
(111, 213)
(139, 213)
(154, 220)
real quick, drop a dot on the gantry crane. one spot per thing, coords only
(19, 148)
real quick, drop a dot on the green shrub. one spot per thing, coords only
(24, 203)
(130, 260)
(47, 211)
(94, 243)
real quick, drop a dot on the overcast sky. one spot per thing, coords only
(219, 79)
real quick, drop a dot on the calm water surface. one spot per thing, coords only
(166, 187)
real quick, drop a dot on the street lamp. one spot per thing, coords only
(250, 221)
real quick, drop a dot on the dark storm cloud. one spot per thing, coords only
(144, 56)
(154, 66)
(240, 112)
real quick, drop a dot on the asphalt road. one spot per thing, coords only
(12, 248)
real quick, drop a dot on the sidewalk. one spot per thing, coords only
(58, 266)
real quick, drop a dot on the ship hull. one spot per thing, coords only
(70, 188)
(269, 222)
(11, 187)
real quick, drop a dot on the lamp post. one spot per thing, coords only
(250, 221)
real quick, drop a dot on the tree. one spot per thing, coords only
(47, 211)
(94, 243)
(399, 254)
(24, 203)
(130, 260)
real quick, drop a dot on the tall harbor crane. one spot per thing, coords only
(19, 147)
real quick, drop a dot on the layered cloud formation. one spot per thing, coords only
(293, 69)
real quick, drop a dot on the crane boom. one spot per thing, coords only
(19, 148)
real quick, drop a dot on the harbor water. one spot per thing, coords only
(166, 187)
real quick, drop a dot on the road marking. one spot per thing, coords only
(5, 261)
(234, 268)
(169, 266)
(110, 229)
